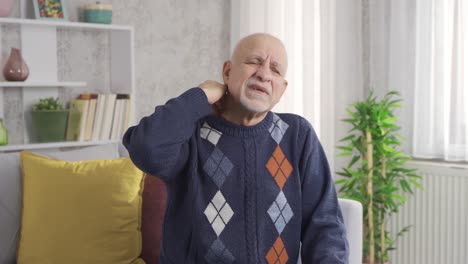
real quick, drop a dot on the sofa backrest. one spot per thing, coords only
(152, 218)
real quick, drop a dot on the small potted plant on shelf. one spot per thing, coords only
(376, 174)
(49, 120)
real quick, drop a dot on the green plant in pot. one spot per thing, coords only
(376, 174)
(49, 120)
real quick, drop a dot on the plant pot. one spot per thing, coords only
(49, 125)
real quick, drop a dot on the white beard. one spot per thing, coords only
(251, 106)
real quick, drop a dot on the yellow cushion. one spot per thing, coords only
(80, 212)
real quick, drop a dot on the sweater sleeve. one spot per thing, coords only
(159, 144)
(323, 231)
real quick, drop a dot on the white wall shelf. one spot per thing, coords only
(54, 145)
(63, 24)
(42, 84)
(39, 44)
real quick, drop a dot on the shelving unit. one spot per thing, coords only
(39, 49)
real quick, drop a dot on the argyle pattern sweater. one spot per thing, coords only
(239, 194)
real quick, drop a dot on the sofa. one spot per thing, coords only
(147, 214)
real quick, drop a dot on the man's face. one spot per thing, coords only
(255, 76)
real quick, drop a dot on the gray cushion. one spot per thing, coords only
(10, 206)
(10, 191)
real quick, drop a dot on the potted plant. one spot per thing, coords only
(49, 120)
(376, 174)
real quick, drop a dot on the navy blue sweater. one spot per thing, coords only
(239, 194)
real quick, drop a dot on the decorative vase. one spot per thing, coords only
(15, 69)
(5, 7)
(3, 134)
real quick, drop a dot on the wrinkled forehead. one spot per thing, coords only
(261, 46)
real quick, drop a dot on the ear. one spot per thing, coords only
(226, 71)
(284, 85)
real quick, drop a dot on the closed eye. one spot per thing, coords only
(257, 62)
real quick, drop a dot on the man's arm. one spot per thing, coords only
(158, 145)
(323, 230)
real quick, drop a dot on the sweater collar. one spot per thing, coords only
(232, 129)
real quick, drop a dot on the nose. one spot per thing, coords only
(264, 73)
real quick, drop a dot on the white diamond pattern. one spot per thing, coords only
(210, 134)
(218, 200)
(218, 213)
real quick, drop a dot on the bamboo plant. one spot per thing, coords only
(376, 174)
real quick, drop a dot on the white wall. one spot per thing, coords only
(178, 44)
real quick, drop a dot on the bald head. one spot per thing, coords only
(247, 43)
(255, 75)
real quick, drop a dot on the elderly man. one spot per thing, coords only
(245, 185)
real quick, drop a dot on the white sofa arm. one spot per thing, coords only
(352, 214)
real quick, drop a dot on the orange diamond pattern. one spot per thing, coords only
(277, 253)
(279, 167)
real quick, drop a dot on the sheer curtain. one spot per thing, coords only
(323, 41)
(441, 88)
(419, 48)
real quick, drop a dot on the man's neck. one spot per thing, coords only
(240, 116)
(244, 120)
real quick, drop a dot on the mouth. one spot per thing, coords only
(258, 88)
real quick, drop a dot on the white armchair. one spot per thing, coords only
(352, 215)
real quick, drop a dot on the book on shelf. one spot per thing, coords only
(84, 116)
(127, 112)
(118, 121)
(75, 119)
(115, 119)
(101, 98)
(98, 117)
(90, 117)
(109, 106)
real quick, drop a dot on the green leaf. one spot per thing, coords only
(348, 120)
(343, 174)
(405, 186)
(49, 103)
(399, 197)
(344, 154)
(350, 137)
(353, 161)
(341, 181)
(417, 184)
(347, 148)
